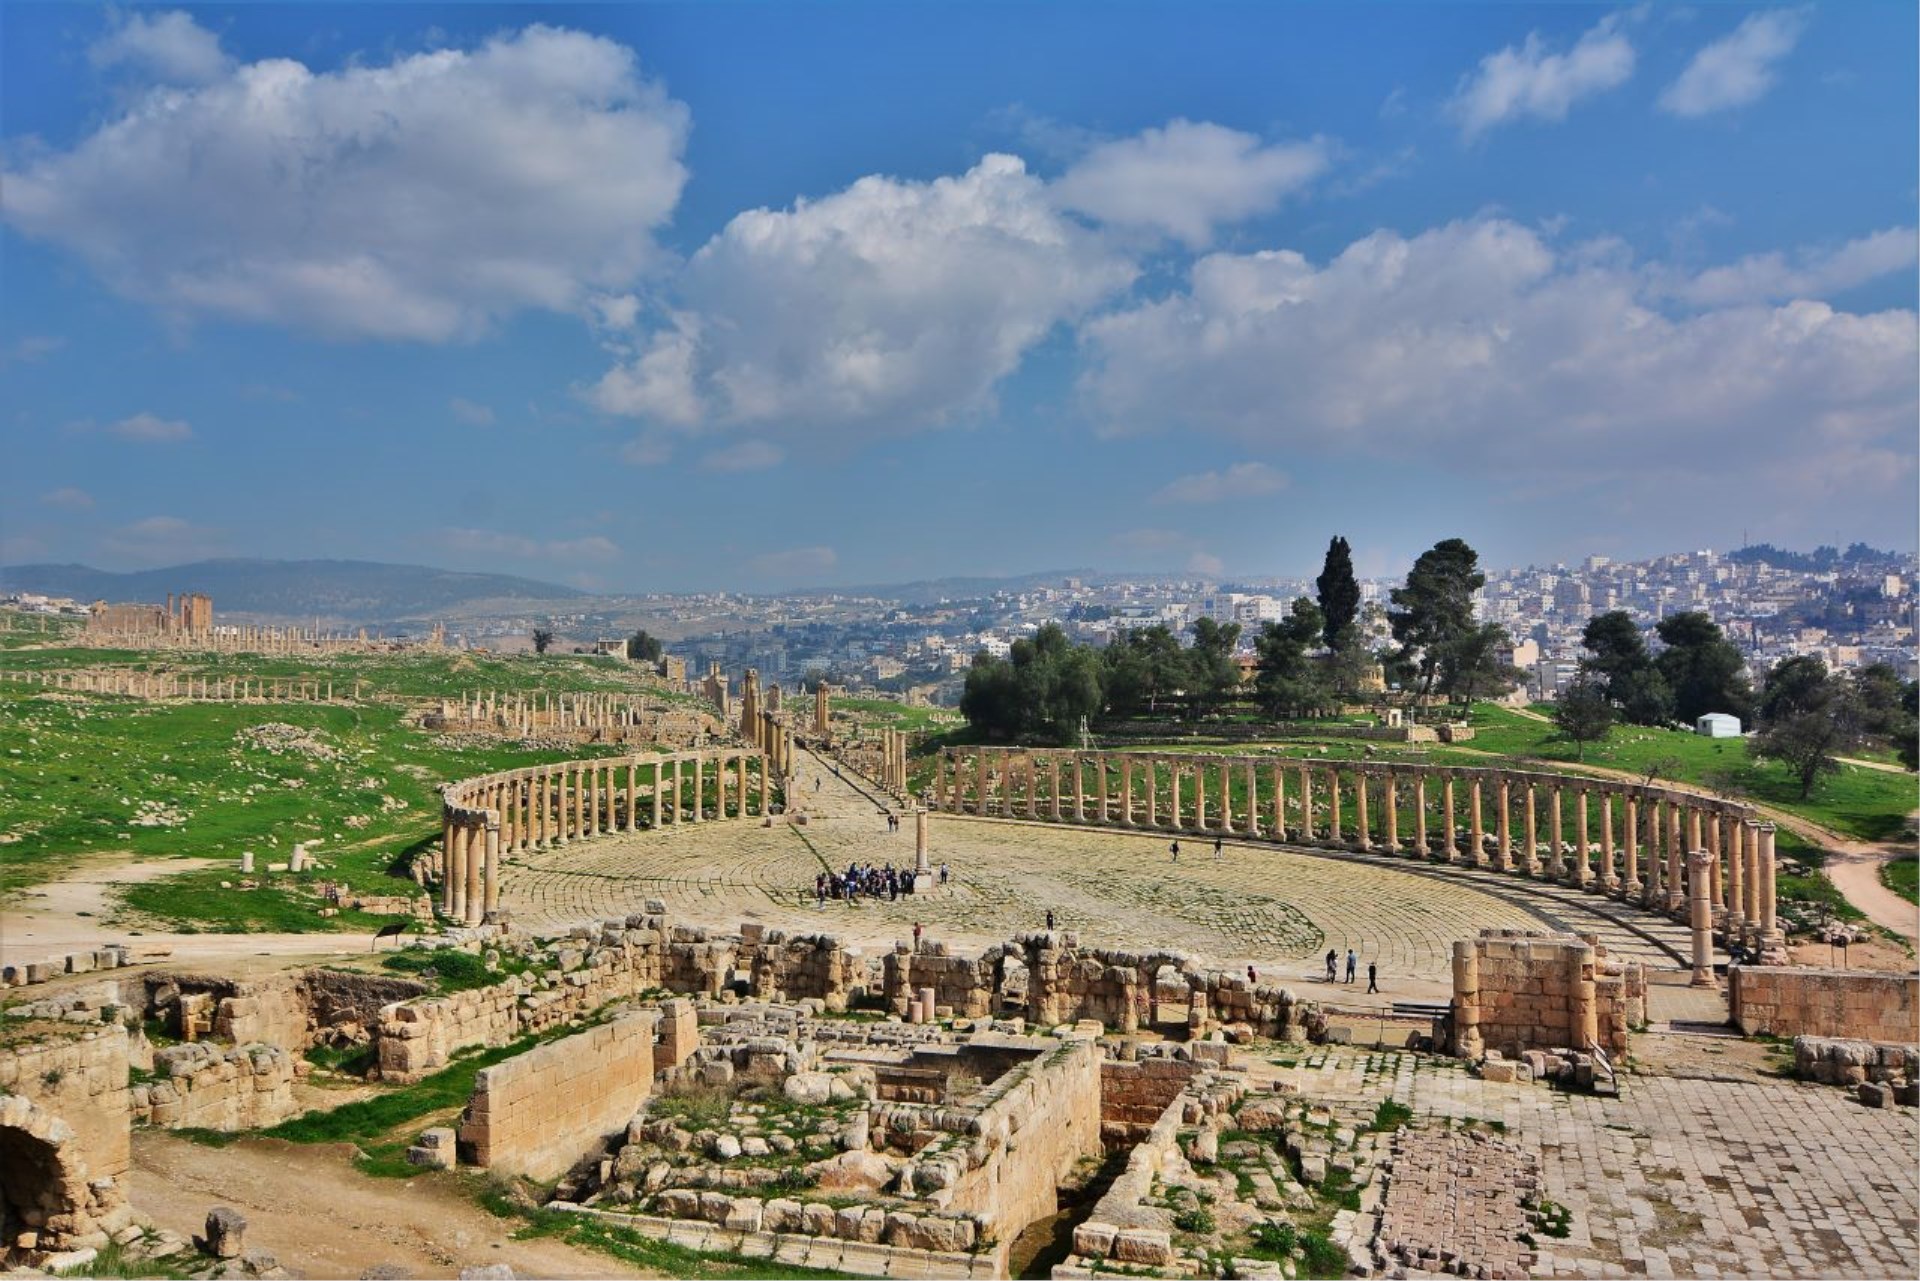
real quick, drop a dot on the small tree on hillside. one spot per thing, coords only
(1583, 715)
(1808, 716)
(542, 638)
(643, 647)
(1338, 592)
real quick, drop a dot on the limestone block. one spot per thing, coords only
(1151, 1247)
(226, 1233)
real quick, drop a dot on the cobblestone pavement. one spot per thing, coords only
(1278, 909)
(1727, 1175)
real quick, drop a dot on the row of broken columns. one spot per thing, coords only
(126, 680)
(546, 806)
(1659, 829)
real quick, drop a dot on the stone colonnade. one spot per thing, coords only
(1626, 842)
(619, 716)
(235, 639)
(170, 685)
(893, 760)
(546, 806)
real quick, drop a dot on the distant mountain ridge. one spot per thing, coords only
(344, 590)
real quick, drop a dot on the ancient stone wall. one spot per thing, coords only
(804, 967)
(1866, 1005)
(25, 972)
(294, 1011)
(82, 1079)
(539, 1112)
(65, 1141)
(964, 984)
(1135, 1095)
(1516, 990)
(1840, 1061)
(205, 1087)
(1067, 983)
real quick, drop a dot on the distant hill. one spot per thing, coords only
(928, 591)
(355, 591)
(1818, 561)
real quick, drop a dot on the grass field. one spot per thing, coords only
(1902, 876)
(96, 775)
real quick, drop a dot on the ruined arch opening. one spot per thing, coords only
(36, 1187)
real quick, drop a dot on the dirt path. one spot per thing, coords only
(308, 1206)
(70, 915)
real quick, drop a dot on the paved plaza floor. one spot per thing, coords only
(1275, 908)
(1725, 1172)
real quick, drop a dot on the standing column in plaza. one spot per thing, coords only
(740, 783)
(922, 862)
(1476, 826)
(1716, 892)
(679, 804)
(1701, 912)
(1773, 945)
(1606, 841)
(1173, 790)
(446, 866)
(1253, 799)
(1053, 786)
(1200, 794)
(1362, 836)
(1079, 788)
(980, 783)
(1533, 831)
(1556, 839)
(1630, 829)
(941, 796)
(476, 857)
(491, 898)
(1581, 872)
(1736, 882)
(633, 793)
(1466, 1003)
(1279, 802)
(1677, 851)
(1448, 831)
(560, 805)
(537, 807)
(1334, 827)
(1392, 802)
(1153, 792)
(1009, 804)
(580, 802)
(1100, 789)
(1503, 842)
(590, 798)
(1306, 804)
(699, 786)
(1650, 837)
(1420, 815)
(659, 806)
(1126, 790)
(457, 871)
(611, 823)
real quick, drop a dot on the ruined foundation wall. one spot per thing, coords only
(82, 1080)
(539, 1112)
(1865, 1005)
(963, 983)
(206, 1087)
(1134, 1095)
(1517, 990)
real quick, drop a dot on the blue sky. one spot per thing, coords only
(743, 296)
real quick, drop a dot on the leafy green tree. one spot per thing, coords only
(1619, 659)
(1434, 610)
(1702, 668)
(1290, 682)
(1879, 694)
(1041, 691)
(542, 638)
(1141, 668)
(1351, 664)
(1474, 664)
(644, 648)
(1338, 592)
(1583, 714)
(1808, 716)
(1213, 675)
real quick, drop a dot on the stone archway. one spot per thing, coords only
(43, 1182)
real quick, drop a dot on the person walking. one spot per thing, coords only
(1333, 959)
(916, 936)
(1253, 976)
(1049, 920)
(1216, 848)
(1353, 963)
(1174, 849)
(943, 873)
(1373, 977)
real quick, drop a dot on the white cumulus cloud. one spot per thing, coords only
(890, 305)
(1242, 480)
(1477, 346)
(1187, 178)
(1529, 80)
(1738, 68)
(68, 498)
(168, 47)
(1808, 274)
(421, 199)
(151, 429)
(519, 547)
(470, 412)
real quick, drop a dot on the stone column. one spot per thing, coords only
(1200, 794)
(1581, 872)
(1448, 832)
(679, 792)
(1306, 805)
(1585, 1011)
(1100, 790)
(1503, 840)
(1606, 842)
(491, 899)
(1736, 881)
(1630, 829)
(659, 776)
(1701, 907)
(1363, 837)
(1650, 838)
(740, 784)
(1772, 942)
(1420, 848)
(590, 800)
(448, 863)
(633, 791)
(1279, 802)
(1466, 1000)
(476, 852)
(1392, 799)
(580, 812)
(1556, 837)
(1253, 799)
(980, 782)
(607, 788)
(1153, 792)
(1126, 791)
(699, 763)
(1476, 826)
(1533, 830)
(1333, 805)
(1716, 894)
(1053, 786)
(1031, 777)
(561, 822)
(1173, 789)
(1676, 861)
(942, 796)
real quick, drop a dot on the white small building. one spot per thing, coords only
(1717, 725)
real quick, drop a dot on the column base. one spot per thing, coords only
(1704, 980)
(922, 882)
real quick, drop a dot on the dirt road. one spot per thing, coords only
(320, 1217)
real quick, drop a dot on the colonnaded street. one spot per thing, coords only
(1257, 904)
